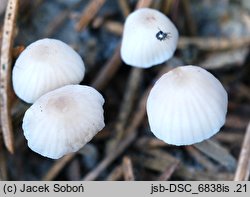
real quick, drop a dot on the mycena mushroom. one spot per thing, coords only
(186, 105)
(63, 120)
(45, 65)
(149, 38)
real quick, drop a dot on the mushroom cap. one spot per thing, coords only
(63, 120)
(149, 38)
(45, 65)
(186, 105)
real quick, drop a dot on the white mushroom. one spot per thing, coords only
(63, 120)
(186, 105)
(149, 38)
(45, 65)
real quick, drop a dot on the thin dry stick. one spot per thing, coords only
(231, 138)
(92, 175)
(218, 153)
(150, 142)
(167, 5)
(126, 107)
(244, 90)
(190, 23)
(109, 70)
(58, 21)
(212, 44)
(114, 27)
(166, 175)
(124, 7)
(5, 72)
(127, 104)
(3, 169)
(235, 121)
(200, 158)
(243, 168)
(115, 174)
(143, 3)
(53, 172)
(89, 13)
(1, 34)
(127, 168)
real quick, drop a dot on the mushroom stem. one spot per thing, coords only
(5, 72)
(243, 168)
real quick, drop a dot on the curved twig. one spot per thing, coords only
(243, 168)
(5, 71)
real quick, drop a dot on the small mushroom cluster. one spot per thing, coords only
(186, 105)
(65, 115)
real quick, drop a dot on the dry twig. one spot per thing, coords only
(161, 160)
(109, 70)
(143, 3)
(201, 159)
(166, 175)
(126, 107)
(115, 174)
(92, 175)
(243, 168)
(124, 7)
(218, 153)
(232, 138)
(214, 44)
(235, 121)
(235, 57)
(114, 27)
(150, 142)
(89, 13)
(5, 72)
(127, 169)
(59, 20)
(57, 167)
(190, 23)
(3, 169)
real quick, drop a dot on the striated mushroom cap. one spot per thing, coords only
(149, 38)
(45, 65)
(186, 105)
(63, 120)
